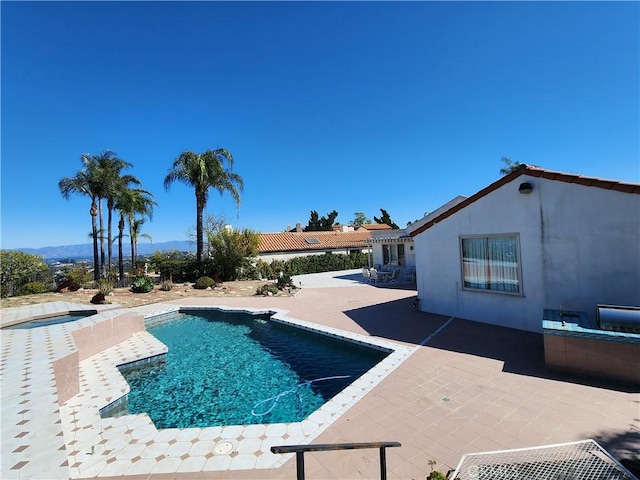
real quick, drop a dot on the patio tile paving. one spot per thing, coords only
(469, 388)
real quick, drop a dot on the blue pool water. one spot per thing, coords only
(239, 369)
(54, 320)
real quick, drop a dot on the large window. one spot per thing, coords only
(393, 254)
(491, 263)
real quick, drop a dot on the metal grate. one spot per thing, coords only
(584, 460)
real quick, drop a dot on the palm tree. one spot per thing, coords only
(118, 187)
(112, 183)
(99, 178)
(130, 202)
(135, 227)
(204, 171)
(509, 165)
(84, 183)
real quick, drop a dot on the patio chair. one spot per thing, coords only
(366, 274)
(410, 276)
(373, 274)
(395, 275)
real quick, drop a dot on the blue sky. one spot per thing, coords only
(352, 106)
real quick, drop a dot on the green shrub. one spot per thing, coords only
(142, 284)
(68, 284)
(266, 289)
(277, 266)
(204, 282)
(248, 272)
(436, 475)
(166, 285)
(284, 281)
(31, 288)
(19, 268)
(185, 270)
(104, 286)
(264, 269)
(231, 251)
(98, 299)
(327, 262)
(80, 274)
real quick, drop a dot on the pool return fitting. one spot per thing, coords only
(294, 391)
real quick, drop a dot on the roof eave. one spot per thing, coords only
(533, 172)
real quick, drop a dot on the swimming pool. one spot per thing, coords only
(225, 368)
(51, 320)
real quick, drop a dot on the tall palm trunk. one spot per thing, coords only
(135, 250)
(200, 203)
(102, 259)
(109, 233)
(94, 231)
(133, 256)
(133, 243)
(120, 256)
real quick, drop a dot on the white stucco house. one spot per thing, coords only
(532, 240)
(392, 248)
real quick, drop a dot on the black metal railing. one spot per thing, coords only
(300, 450)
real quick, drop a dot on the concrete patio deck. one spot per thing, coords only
(464, 388)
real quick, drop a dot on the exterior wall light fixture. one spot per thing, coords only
(525, 188)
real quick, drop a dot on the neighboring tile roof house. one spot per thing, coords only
(311, 241)
(532, 172)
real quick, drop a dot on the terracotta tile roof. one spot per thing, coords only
(302, 241)
(533, 172)
(376, 226)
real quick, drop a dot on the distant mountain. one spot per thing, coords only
(85, 250)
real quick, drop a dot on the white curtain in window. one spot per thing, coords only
(490, 263)
(503, 264)
(474, 263)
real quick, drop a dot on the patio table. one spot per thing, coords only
(384, 276)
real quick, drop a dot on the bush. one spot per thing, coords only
(166, 285)
(80, 275)
(142, 284)
(436, 475)
(264, 269)
(266, 289)
(98, 299)
(104, 286)
(19, 268)
(312, 264)
(284, 281)
(68, 285)
(203, 283)
(231, 251)
(185, 270)
(277, 266)
(248, 272)
(31, 288)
